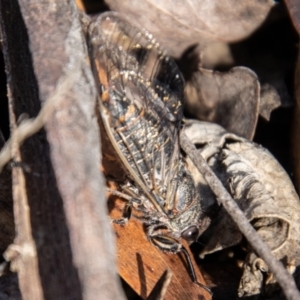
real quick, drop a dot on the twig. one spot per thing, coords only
(285, 279)
(22, 254)
(29, 127)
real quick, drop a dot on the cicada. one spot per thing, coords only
(141, 107)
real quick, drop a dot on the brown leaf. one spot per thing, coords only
(141, 264)
(230, 99)
(177, 25)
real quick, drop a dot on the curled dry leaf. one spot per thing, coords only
(263, 191)
(178, 25)
(141, 264)
(230, 99)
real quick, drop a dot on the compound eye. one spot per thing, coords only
(190, 234)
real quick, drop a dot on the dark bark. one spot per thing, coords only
(44, 47)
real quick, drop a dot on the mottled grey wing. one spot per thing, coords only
(141, 103)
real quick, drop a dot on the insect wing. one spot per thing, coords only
(141, 104)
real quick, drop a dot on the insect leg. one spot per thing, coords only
(166, 243)
(192, 270)
(125, 215)
(128, 206)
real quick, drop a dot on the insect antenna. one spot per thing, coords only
(120, 194)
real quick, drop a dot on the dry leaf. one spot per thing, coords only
(263, 191)
(230, 99)
(180, 24)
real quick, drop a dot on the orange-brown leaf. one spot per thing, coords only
(141, 264)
